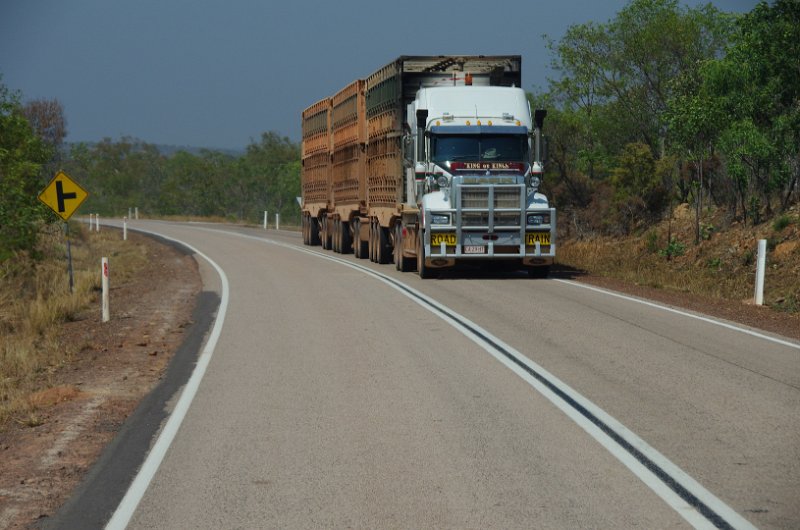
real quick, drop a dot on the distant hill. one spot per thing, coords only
(169, 150)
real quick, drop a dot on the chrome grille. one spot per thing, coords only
(474, 197)
(507, 198)
(506, 219)
(504, 198)
(475, 219)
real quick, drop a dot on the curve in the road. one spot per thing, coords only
(690, 499)
(681, 492)
(124, 512)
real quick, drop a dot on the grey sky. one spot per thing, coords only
(217, 74)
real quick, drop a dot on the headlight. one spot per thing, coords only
(535, 181)
(443, 181)
(441, 219)
(538, 219)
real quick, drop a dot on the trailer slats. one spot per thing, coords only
(359, 130)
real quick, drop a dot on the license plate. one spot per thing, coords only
(543, 238)
(474, 249)
(447, 239)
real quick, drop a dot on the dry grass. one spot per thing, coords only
(722, 265)
(35, 300)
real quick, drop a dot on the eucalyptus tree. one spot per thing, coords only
(22, 155)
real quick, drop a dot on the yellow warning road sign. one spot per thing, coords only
(63, 195)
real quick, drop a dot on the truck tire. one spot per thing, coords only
(347, 239)
(326, 233)
(384, 247)
(423, 270)
(398, 246)
(371, 249)
(337, 236)
(356, 249)
(313, 231)
(359, 248)
(401, 263)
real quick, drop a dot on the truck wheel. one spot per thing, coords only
(313, 231)
(371, 250)
(423, 270)
(345, 246)
(362, 246)
(398, 246)
(326, 233)
(357, 238)
(384, 247)
(401, 263)
(347, 240)
(539, 272)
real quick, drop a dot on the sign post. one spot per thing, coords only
(760, 268)
(104, 284)
(64, 196)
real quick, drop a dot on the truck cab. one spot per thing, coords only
(473, 168)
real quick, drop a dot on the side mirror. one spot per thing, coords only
(422, 118)
(538, 117)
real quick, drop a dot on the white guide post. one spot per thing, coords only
(762, 265)
(104, 270)
(277, 221)
(136, 213)
(124, 228)
(97, 222)
(265, 219)
(91, 221)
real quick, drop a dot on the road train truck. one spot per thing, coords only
(430, 162)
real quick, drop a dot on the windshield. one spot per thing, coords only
(478, 148)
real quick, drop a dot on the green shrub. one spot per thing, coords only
(715, 263)
(781, 222)
(790, 304)
(674, 248)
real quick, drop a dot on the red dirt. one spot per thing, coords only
(120, 361)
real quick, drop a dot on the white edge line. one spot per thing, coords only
(685, 510)
(672, 499)
(127, 506)
(683, 313)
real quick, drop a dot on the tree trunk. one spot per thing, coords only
(788, 199)
(699, 207)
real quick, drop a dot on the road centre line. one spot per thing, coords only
(682, 313)
(698, 506)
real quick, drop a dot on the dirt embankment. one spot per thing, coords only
(715, 275)
(118, 363)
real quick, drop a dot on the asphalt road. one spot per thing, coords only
(336, 398)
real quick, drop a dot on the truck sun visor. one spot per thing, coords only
(479, 129)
